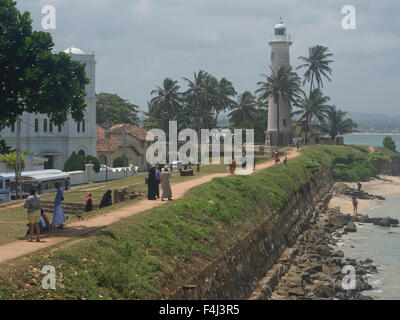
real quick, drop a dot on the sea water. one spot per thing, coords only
(380, 244)
(371, 139)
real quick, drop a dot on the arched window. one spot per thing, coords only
(103, 159)
(81, 153)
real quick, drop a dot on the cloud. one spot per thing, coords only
(138, 43)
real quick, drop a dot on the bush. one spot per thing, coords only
(389, 143)
(74, 163)
(119, 162)
(95, 161)
(11, 159)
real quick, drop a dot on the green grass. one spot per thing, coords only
(150, 254)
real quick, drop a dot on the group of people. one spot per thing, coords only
(277, 159)
(37, 219)
(156, 177)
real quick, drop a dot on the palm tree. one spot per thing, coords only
(336, 123)
(244, 111)
(312, 107)
(225, 91)
(202, 95)
(317, 66)
(168, 97)
(283, 84)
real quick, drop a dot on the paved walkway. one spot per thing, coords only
(19, 248)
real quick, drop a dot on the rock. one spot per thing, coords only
(368, 260)
(297, 291)
(338, 253)
(365, 219)
(324, 290)
(385, 222)
(351, 227)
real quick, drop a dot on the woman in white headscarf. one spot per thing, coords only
(165, 185)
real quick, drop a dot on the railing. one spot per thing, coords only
(284, 38)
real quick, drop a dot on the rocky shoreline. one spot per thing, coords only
(315, 272)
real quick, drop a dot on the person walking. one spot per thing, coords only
(158, 182)
(166, 185)
(285, 161)
(106, 200)
(297, 144)
(88, 203)
(58, 218)
(32, 203)
(355, 205)
(276, 156)
(359, 185)
(152, 184)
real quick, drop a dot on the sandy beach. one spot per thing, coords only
(382, 186)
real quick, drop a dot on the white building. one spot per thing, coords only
(56, 143)
(280, 130)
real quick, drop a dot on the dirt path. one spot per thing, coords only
(11, 207)
(18, 248)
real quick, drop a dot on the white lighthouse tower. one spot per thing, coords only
(280, 44)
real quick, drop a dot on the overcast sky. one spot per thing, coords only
(138, 43)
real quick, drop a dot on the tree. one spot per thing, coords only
(312, 107)
(74, 163)
(225, 91)
(317, 66)
(120, 162)
(243, 114)
(32, 78)
(336, 123)
(168, 97)
(202, 96)
(10, 160)
(4, 148)
(112, 109)
(156, 117)
(260, 121)
(94, 161)
(282, 84)
(389, 143)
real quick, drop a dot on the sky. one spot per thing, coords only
(138, 43)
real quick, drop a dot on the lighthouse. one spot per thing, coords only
(280, 44)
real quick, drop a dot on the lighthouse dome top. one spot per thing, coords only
(280, 25)
(73, 50)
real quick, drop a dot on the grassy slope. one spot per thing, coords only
(146, 255)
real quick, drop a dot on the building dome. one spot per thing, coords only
(280, 28)
(73, 50)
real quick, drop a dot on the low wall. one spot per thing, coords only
(236, 273)
(105, 174)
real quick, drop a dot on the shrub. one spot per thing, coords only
(74, 163)
(11, 160)
(389, 143)
(119, 162)
(94, 161)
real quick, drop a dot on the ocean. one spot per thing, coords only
(371, 139)
(382, 245)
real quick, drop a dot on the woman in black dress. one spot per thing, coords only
(152, 184)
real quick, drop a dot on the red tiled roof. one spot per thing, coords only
(134, 131)
(100, 132)
(107, 144)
